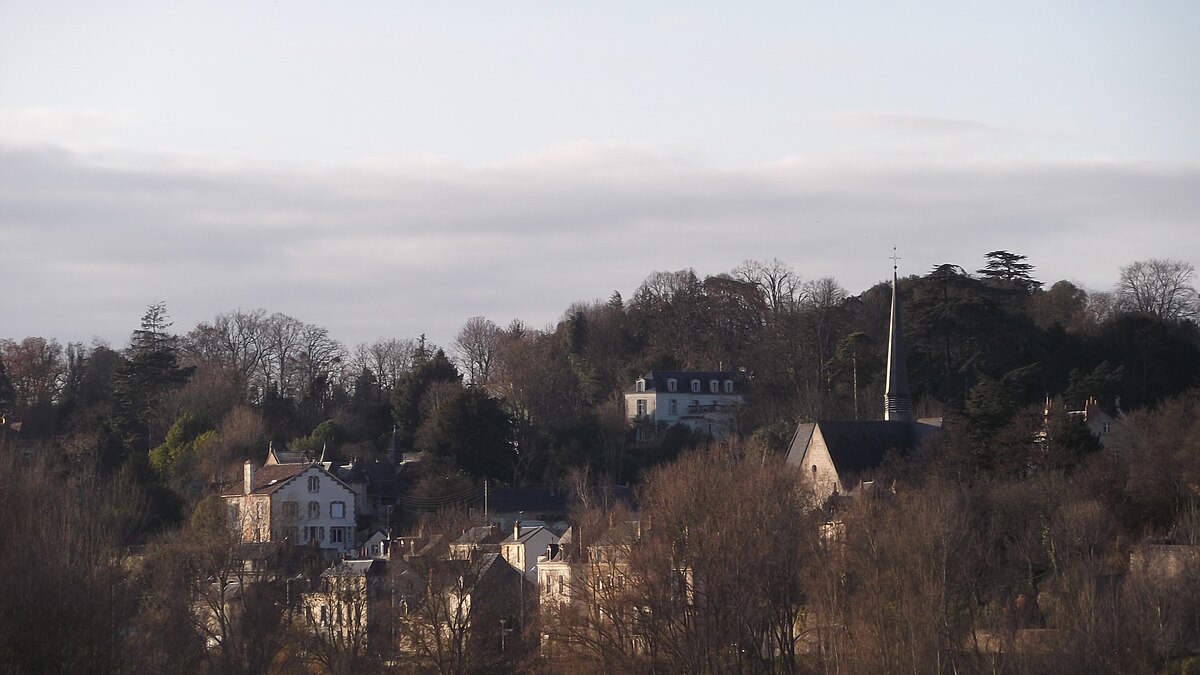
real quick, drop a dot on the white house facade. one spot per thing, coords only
(704, 401)
(300, 503)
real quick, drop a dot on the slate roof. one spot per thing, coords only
(481, 534)
(857, 445)
(533, 501)
(656, 380)
(356, 568)
(527, 534)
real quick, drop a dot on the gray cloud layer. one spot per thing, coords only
(369, 251)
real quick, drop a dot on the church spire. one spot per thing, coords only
(897, 400)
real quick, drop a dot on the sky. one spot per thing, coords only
(387, 169)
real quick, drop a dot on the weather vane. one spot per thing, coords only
(895, 258)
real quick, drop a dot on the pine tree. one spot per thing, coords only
(151, 368)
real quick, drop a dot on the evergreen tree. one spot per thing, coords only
(151, 368)
(1010, 269)
(411, 387)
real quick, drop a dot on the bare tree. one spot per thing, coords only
(235, 340)
(461, 615)
(35, 368)
(1160, 287)
(385, 359)
(779, 283)
(477, 345)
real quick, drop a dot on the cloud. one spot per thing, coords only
(395, 249)
(68, 125)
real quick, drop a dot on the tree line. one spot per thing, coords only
(107, 447)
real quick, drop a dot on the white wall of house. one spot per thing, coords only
(523, 554)
(314, 507)
(556, 580)
(708, 410)
(818, 468)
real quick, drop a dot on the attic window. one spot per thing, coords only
(696, 386)
(728, 386)
(314, 484)
(672, 384)
(641, 385)
(714, 386)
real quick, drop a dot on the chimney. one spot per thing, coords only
(248, 475)
(516, 529)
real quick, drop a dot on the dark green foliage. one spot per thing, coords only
(411, 389)
(473, 432)
(150, 369)
(1158, 359)
(993, 401)
(328, 435)
(1009, 270)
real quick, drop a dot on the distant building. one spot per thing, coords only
(704, 401)
(350, 604)
(522, 547)
(836, 454)
(301, 503)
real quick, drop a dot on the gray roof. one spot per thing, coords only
(656, 380)
(856, 445)
(356, 568)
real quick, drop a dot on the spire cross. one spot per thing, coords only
(895, 258)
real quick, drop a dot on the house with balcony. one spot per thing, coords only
(704, 401)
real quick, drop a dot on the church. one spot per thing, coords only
(835, 454)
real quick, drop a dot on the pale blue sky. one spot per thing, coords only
(445, 160)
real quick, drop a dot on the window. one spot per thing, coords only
(641, 385)
(337, 535)
(314, 510)
(1107, 428)
(728, 386)
(672, 384)
(641, 407)
(291, 534)
(337, 509)
(314, 484)
(714, 386)
(695, 386)
(674, 405)
(291, 510)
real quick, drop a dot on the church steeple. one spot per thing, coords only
(897, 400)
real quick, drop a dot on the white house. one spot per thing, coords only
(704, 401)
(522, 548)
(302, 503)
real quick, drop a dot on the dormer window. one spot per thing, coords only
(641, 385)
(714, 386)
(728, 386)
(695, 386)
(672, 384)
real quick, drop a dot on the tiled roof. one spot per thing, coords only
(271, 477)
